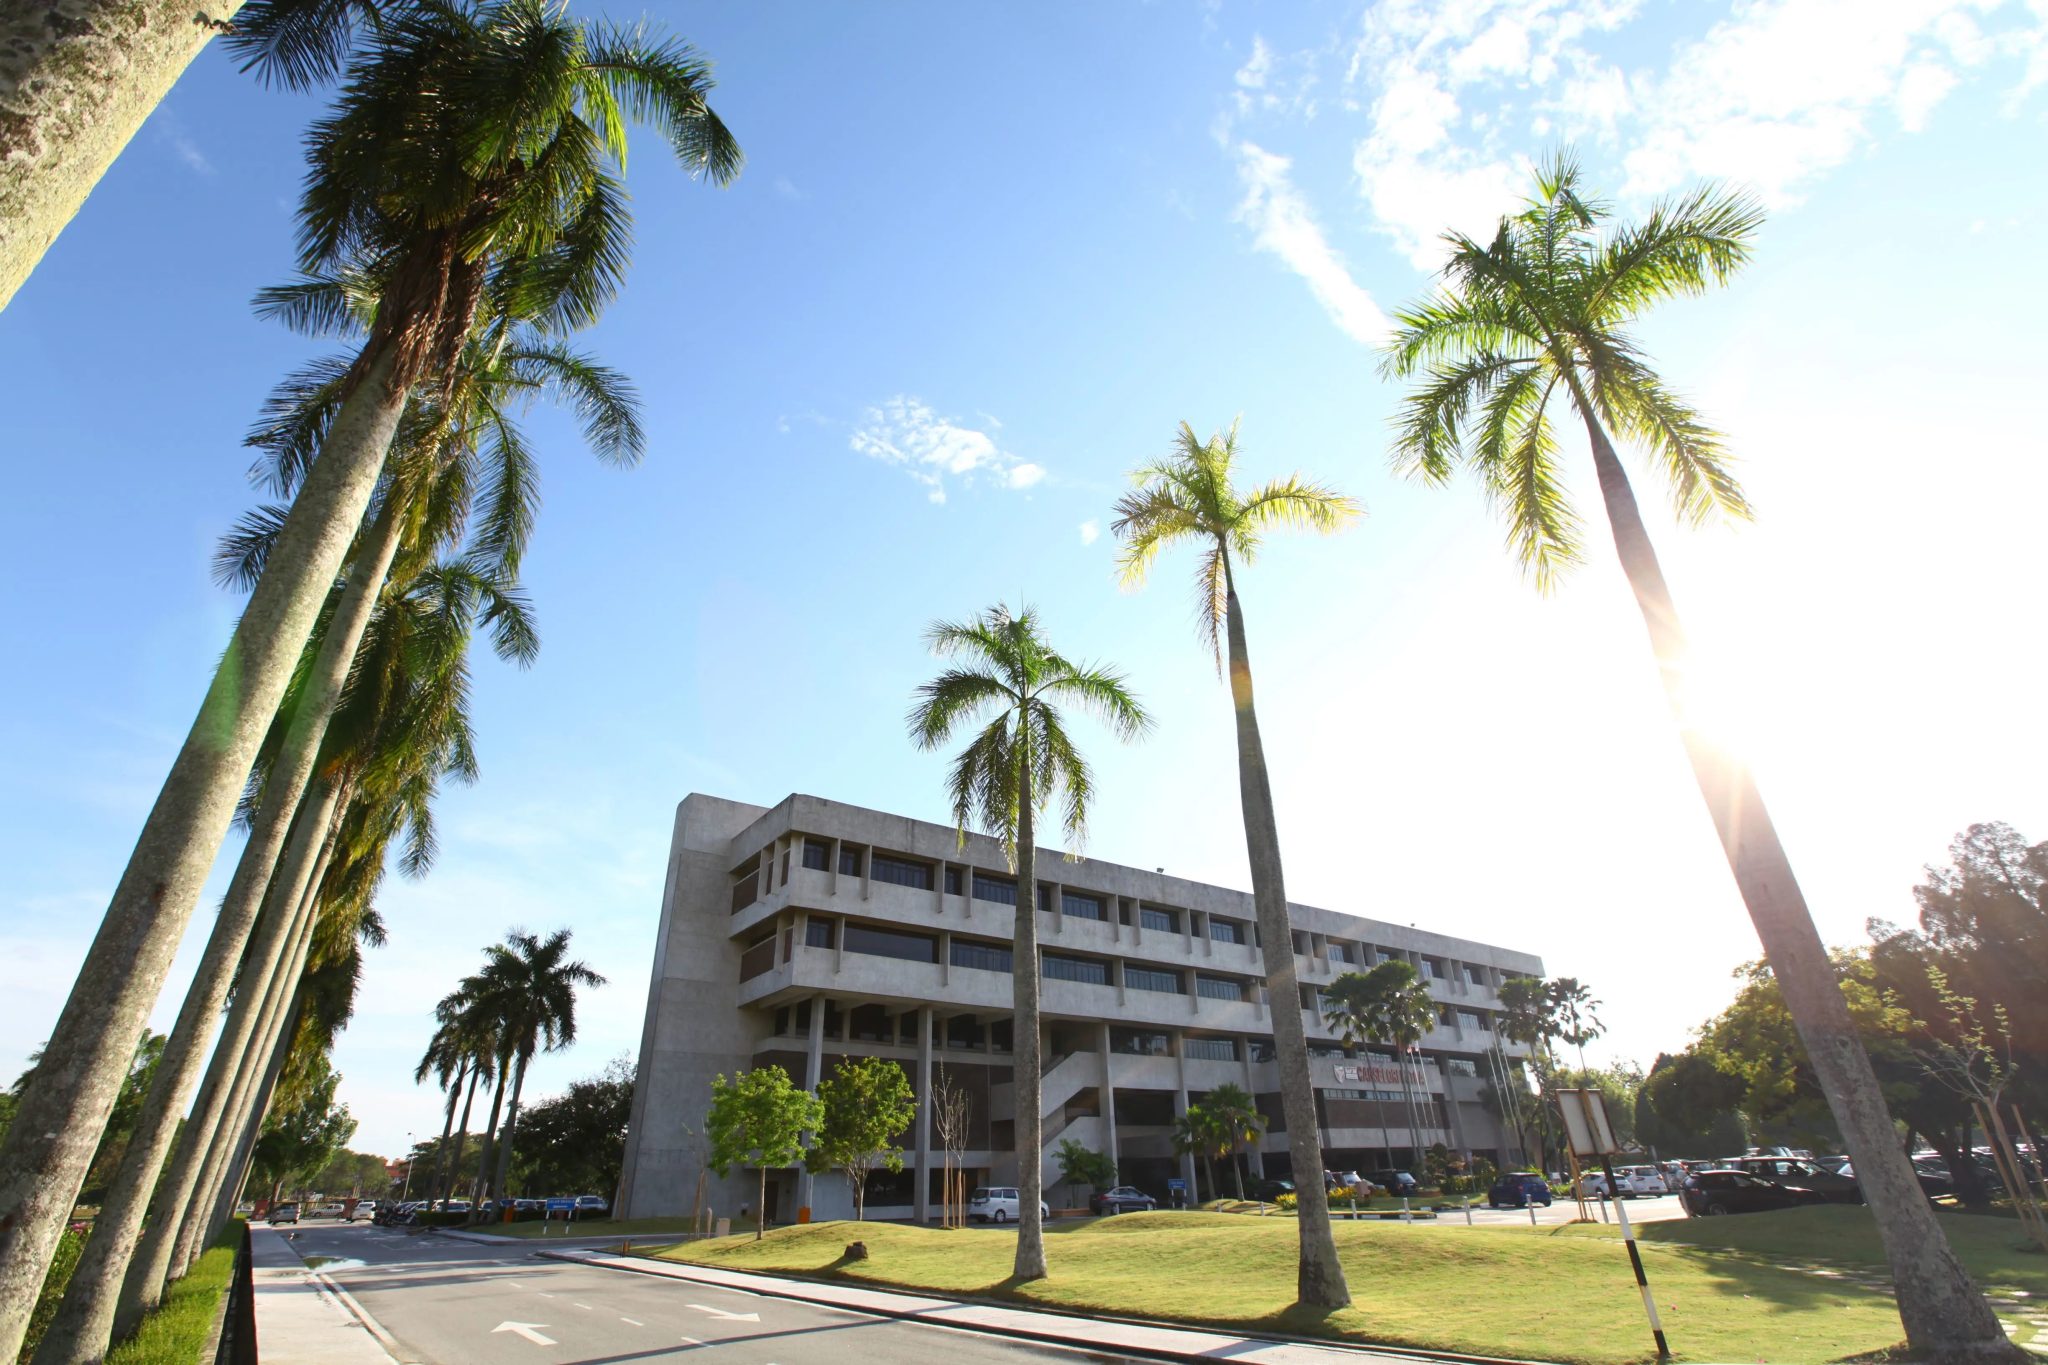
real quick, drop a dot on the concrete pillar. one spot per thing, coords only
(867, 871)
(1108, 1091)
(814, 1072)
(924, 1113)
(832, 869)
(1057, 895)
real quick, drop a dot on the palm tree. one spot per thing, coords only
(1238, 1116)
(1388, 1004)
(1188, 496)
(1016, 764)
(1198, 1132)
(460, 1054)
(1544, 312)
(1573, 1005)
(77, 91)
(467, 148)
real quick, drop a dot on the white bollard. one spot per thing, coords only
(1532, 1213)
(1468, 1213)
(1406, 1217)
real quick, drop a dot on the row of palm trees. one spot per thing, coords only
(463, 212)
(488, 1030)
(1535, 318)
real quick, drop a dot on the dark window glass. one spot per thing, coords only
(849, 861)
(817, 854)
(1145, 979)
(833, 1020)
(1219, 987)
(1081, 969)
(962, 1031)
(818, 933)
(1074, 905)
(871, 1024)
(1165, 920)
(1226, 930)
(902, 872)
(1000, 1037)
(952, 881)
(982, 957)
(1001, 890)
(861, 938)
(782, 1021)
(1262, 1049)
(1213, 1049)
(1138, 1043)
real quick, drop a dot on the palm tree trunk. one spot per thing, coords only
(1945, 1315)
(1237, 1170)
(78, 81)
(1408, 1098)
(79, 1335)
(487, 1149)
(447, 1128)
(501, 1186)
(1024, 1041)
(286, 909)
(63, 1110)
(244, 1156)
(1320, 1279)
(461, 1137)
(761, 1209)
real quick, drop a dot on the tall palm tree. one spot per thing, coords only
(1013, 767)
(75, 92)
(1238, 1116)
(460, 1054)
(1200, 1133)
(466, 146)
(1543, 312)
(1574, 1006)
(1188, 496)
(528, 988)
(1388, 1004)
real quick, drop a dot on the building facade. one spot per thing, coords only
(798, 935)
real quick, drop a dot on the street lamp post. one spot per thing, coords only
(410, 1150)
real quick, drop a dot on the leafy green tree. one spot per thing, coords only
(1188, 496)
(1013, 767)
(300, 1138)
(758, 1118)
(1545, 312)
(575, 1142)
(1388, 1003)
(470, 149)
(868, 1103)
(1238, 1115)
(1081, 1165)
(1687, 1107)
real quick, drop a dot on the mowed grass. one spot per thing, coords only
(177, 1331)
(1523, 1293)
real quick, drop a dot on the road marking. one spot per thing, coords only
(724, 1316)
(692, 1341)
(584, 1306)
(544, 1293)
(635, 1321)
(525, 1329)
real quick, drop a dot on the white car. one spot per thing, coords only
(329, 1210)
(999, 1204)
(1641, 1180)
(365, 1208)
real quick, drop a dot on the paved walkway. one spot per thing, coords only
(1091, 1334)
(301, 1316)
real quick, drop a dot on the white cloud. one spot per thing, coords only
(786, 187)
(907, 433)
(1283, 225)
(170, 131)
(1090, 531)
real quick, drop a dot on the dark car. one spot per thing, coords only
(1518, 1190)
(1709, 1194)
(1396, 1183)
(1122, 1199)
(1269, 1190)
(1808, 1175)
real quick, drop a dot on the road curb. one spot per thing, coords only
(678, 1270)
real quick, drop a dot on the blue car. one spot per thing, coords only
(1518, 1190)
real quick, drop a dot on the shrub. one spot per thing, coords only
(1285, 1203)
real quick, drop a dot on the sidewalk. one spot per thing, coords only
(301, 1318)
(1062, 1329)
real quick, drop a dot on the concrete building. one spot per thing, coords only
(814, 930)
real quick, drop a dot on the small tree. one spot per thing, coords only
(1079, 1166)
(952, 1109)
(1238, 1114)
(759, 1117)
(867, 1102)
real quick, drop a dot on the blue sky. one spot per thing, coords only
(981, 262)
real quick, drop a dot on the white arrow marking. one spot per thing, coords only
(724, 1316)
(526, 1329)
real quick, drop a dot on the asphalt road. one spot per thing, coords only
(452, 1302)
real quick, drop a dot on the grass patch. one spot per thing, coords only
(603, 1227)
(177, 1331)
(1484, 1291)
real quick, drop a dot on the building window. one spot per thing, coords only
(758, 958)
(1226, 930)
(1461, 1066)
(818, 933)
(1475, 973)
(1146, 979)
(952, 881)
(849, 860)
(1077, 905)
(782, 1022)
(1432, 969)
(1001, 1036)
(1473, 1020)
(1382, 955)
(1166, 921)
(1086, 970)
(1212, 1049)
(871, 1024)
(862, 938)
(817, 854)
(1001, 890)
(963, 1031)
(833, 1020)
(1139, 1043)
(1219, 987)
(902, 872)
(1340, 952)
(1262, 1049)
(1324, 1050)
(982, 957)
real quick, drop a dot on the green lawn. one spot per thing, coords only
(1537, 1293)
(598, 1227)
(175, 1333)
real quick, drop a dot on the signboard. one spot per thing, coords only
(1177, 1184)
(1368, 1073)
(556, 1206)
(1586, 1129)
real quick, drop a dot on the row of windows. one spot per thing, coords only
(1086, 970)
(1144, 979)
(1211, 1049)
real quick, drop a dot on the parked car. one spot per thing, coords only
(592, 1205)
(452, 1206)
(365, 1208)
(330, 1209)
(1593, 1185)
(1266, 1191)
(1122, 1199)
(1641, 1180)
(1708, 1194)
(1346, 1183)
(530, 1205)
(284, 1213)
(1396, 1183)
(1807, 1174)
(999, 1204)
(1518, 1190)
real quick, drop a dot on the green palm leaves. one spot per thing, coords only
(1545, 308)
(1388, 1004)
(1188, 496)
(1007, 666)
